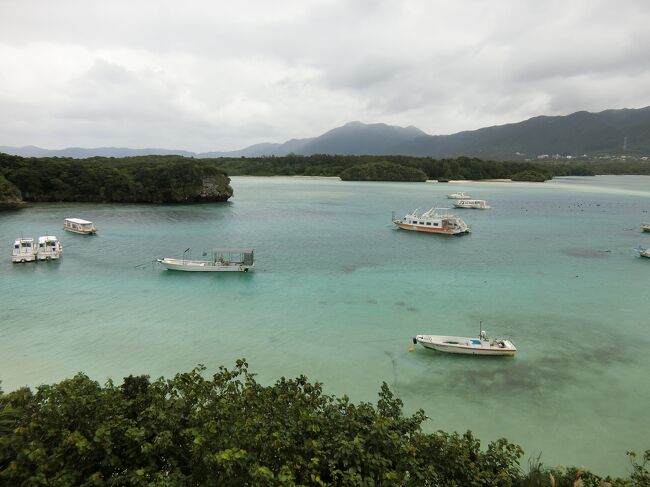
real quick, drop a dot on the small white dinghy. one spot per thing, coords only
(467, 346)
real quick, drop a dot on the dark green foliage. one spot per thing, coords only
(534, 176)
(382, 171)
(147, 179)
(9, 194)
(460, 168)
(230, 430)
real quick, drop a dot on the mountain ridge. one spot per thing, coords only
(625, 130)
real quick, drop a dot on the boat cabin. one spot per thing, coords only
(227, 256)
(77, 225)
(49, 247)
(24, 250)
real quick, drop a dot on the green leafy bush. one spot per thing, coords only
(230, 430)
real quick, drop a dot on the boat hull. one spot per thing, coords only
(81, 232)
(49, 256)
(202, 266)
(467, 346)
(20, 258)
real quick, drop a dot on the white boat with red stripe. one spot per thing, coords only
(78, 225)
(435, 220)
(467, 346)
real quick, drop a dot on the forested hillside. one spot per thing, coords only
(148, 179)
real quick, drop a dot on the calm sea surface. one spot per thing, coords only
(338, 293)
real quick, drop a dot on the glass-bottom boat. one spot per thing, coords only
(434, 220)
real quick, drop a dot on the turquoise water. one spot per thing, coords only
(338, 293)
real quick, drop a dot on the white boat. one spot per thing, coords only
(643, 252)
(77, 225)
(432, 221)
(49, 248)
(474, 204)
(24, 250)
(458, 196)
(467, 346)
(645, 227)
(222, 260)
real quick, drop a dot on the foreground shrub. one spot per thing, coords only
(230, 430)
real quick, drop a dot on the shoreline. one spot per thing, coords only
(452, 181)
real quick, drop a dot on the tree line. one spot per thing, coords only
(176, 179)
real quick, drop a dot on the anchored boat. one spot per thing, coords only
(77, 225)
(474, 204)
(467, 346)
(643, 252)
(24, 250)
(432, 221)
(221, 260)
(645, 227)
(49, 248)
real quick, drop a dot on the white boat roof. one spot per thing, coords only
(46, 238)
(18, 240)
(232, 251)
(78, 220)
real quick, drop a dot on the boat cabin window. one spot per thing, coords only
(421, 223)
(16, 246)
(429, 223)
(26, 244)
(435, 224)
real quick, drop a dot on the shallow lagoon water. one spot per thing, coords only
(338, 293)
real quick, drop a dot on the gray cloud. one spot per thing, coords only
(216, 76)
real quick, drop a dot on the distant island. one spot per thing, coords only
(610, 135)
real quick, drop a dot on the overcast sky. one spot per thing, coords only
(221, 75)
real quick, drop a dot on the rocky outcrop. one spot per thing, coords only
(216, 188)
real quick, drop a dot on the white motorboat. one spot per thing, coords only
(645, 227)
(222, 260)
(24, 250)
(467, 346)
(432, 221)
(643, 252)
(458, 196)
(77, 225)
(474, 204)
(49, 248)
